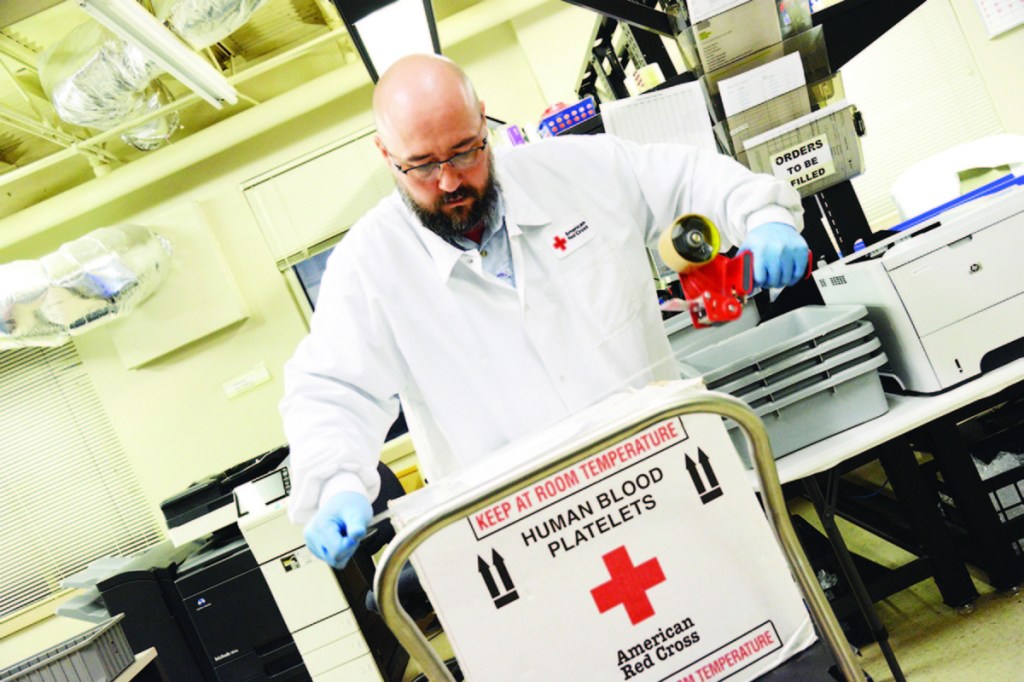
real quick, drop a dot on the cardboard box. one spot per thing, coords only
(650, 560)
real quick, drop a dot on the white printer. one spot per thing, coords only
(312, 603)
(943, 294)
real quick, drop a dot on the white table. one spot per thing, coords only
(941, 558)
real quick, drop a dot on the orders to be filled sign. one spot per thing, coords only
(650, 560)
(807, 162)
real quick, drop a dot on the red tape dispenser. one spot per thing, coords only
(715, 286)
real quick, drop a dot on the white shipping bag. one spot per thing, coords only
(649, 560)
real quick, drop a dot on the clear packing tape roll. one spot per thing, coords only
(88, 282)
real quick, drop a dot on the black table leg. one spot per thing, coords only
(1004, 567)
(826, 509)
(920, 504)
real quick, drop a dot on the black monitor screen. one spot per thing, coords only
(309, 273)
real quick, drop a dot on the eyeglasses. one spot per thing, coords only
(430, 171)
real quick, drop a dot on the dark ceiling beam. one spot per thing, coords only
(632, 13)
(852, 25)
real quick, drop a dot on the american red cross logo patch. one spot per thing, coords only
(563, 241)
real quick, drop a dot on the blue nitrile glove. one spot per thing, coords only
(780, 254)
(340, 523)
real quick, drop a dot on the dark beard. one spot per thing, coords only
(448, 227)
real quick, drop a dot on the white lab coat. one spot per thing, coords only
(475, 362)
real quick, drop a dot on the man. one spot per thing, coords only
(494, 298)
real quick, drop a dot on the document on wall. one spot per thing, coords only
(1001, 15)
(742, 30)
(676, 114)
(762, 84)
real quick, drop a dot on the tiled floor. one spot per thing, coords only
(933, 642)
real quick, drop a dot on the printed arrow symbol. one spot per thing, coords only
(705, 464)
(485, 573)
(499, 565)
(691, 467)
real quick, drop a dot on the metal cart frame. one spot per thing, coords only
(418, 531)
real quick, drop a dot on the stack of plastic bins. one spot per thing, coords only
(809, 374)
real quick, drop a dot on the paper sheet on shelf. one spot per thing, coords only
(811, 152)
(676, 114)
(705, 9)
(743, 30)
(762, 84)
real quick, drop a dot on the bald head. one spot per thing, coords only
(430, 121)
(422, 95)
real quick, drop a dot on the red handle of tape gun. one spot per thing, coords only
(715, 286)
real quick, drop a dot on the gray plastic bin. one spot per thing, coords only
(798, 366)
(815, 409)
(809, 374)
(773, 342)
(97, 655)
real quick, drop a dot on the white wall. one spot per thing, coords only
(932, 81)
(1000, 63)
(555, 39)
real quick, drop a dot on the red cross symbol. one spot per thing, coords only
(560, 243)
(628, 586)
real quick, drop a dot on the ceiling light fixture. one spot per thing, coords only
(131, 22)
(386, 30)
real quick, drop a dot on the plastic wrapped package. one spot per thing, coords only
(23, 286)
(95, 79)
(202, 23)
(102, 276)
(1003, 462)
(1007, 500)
